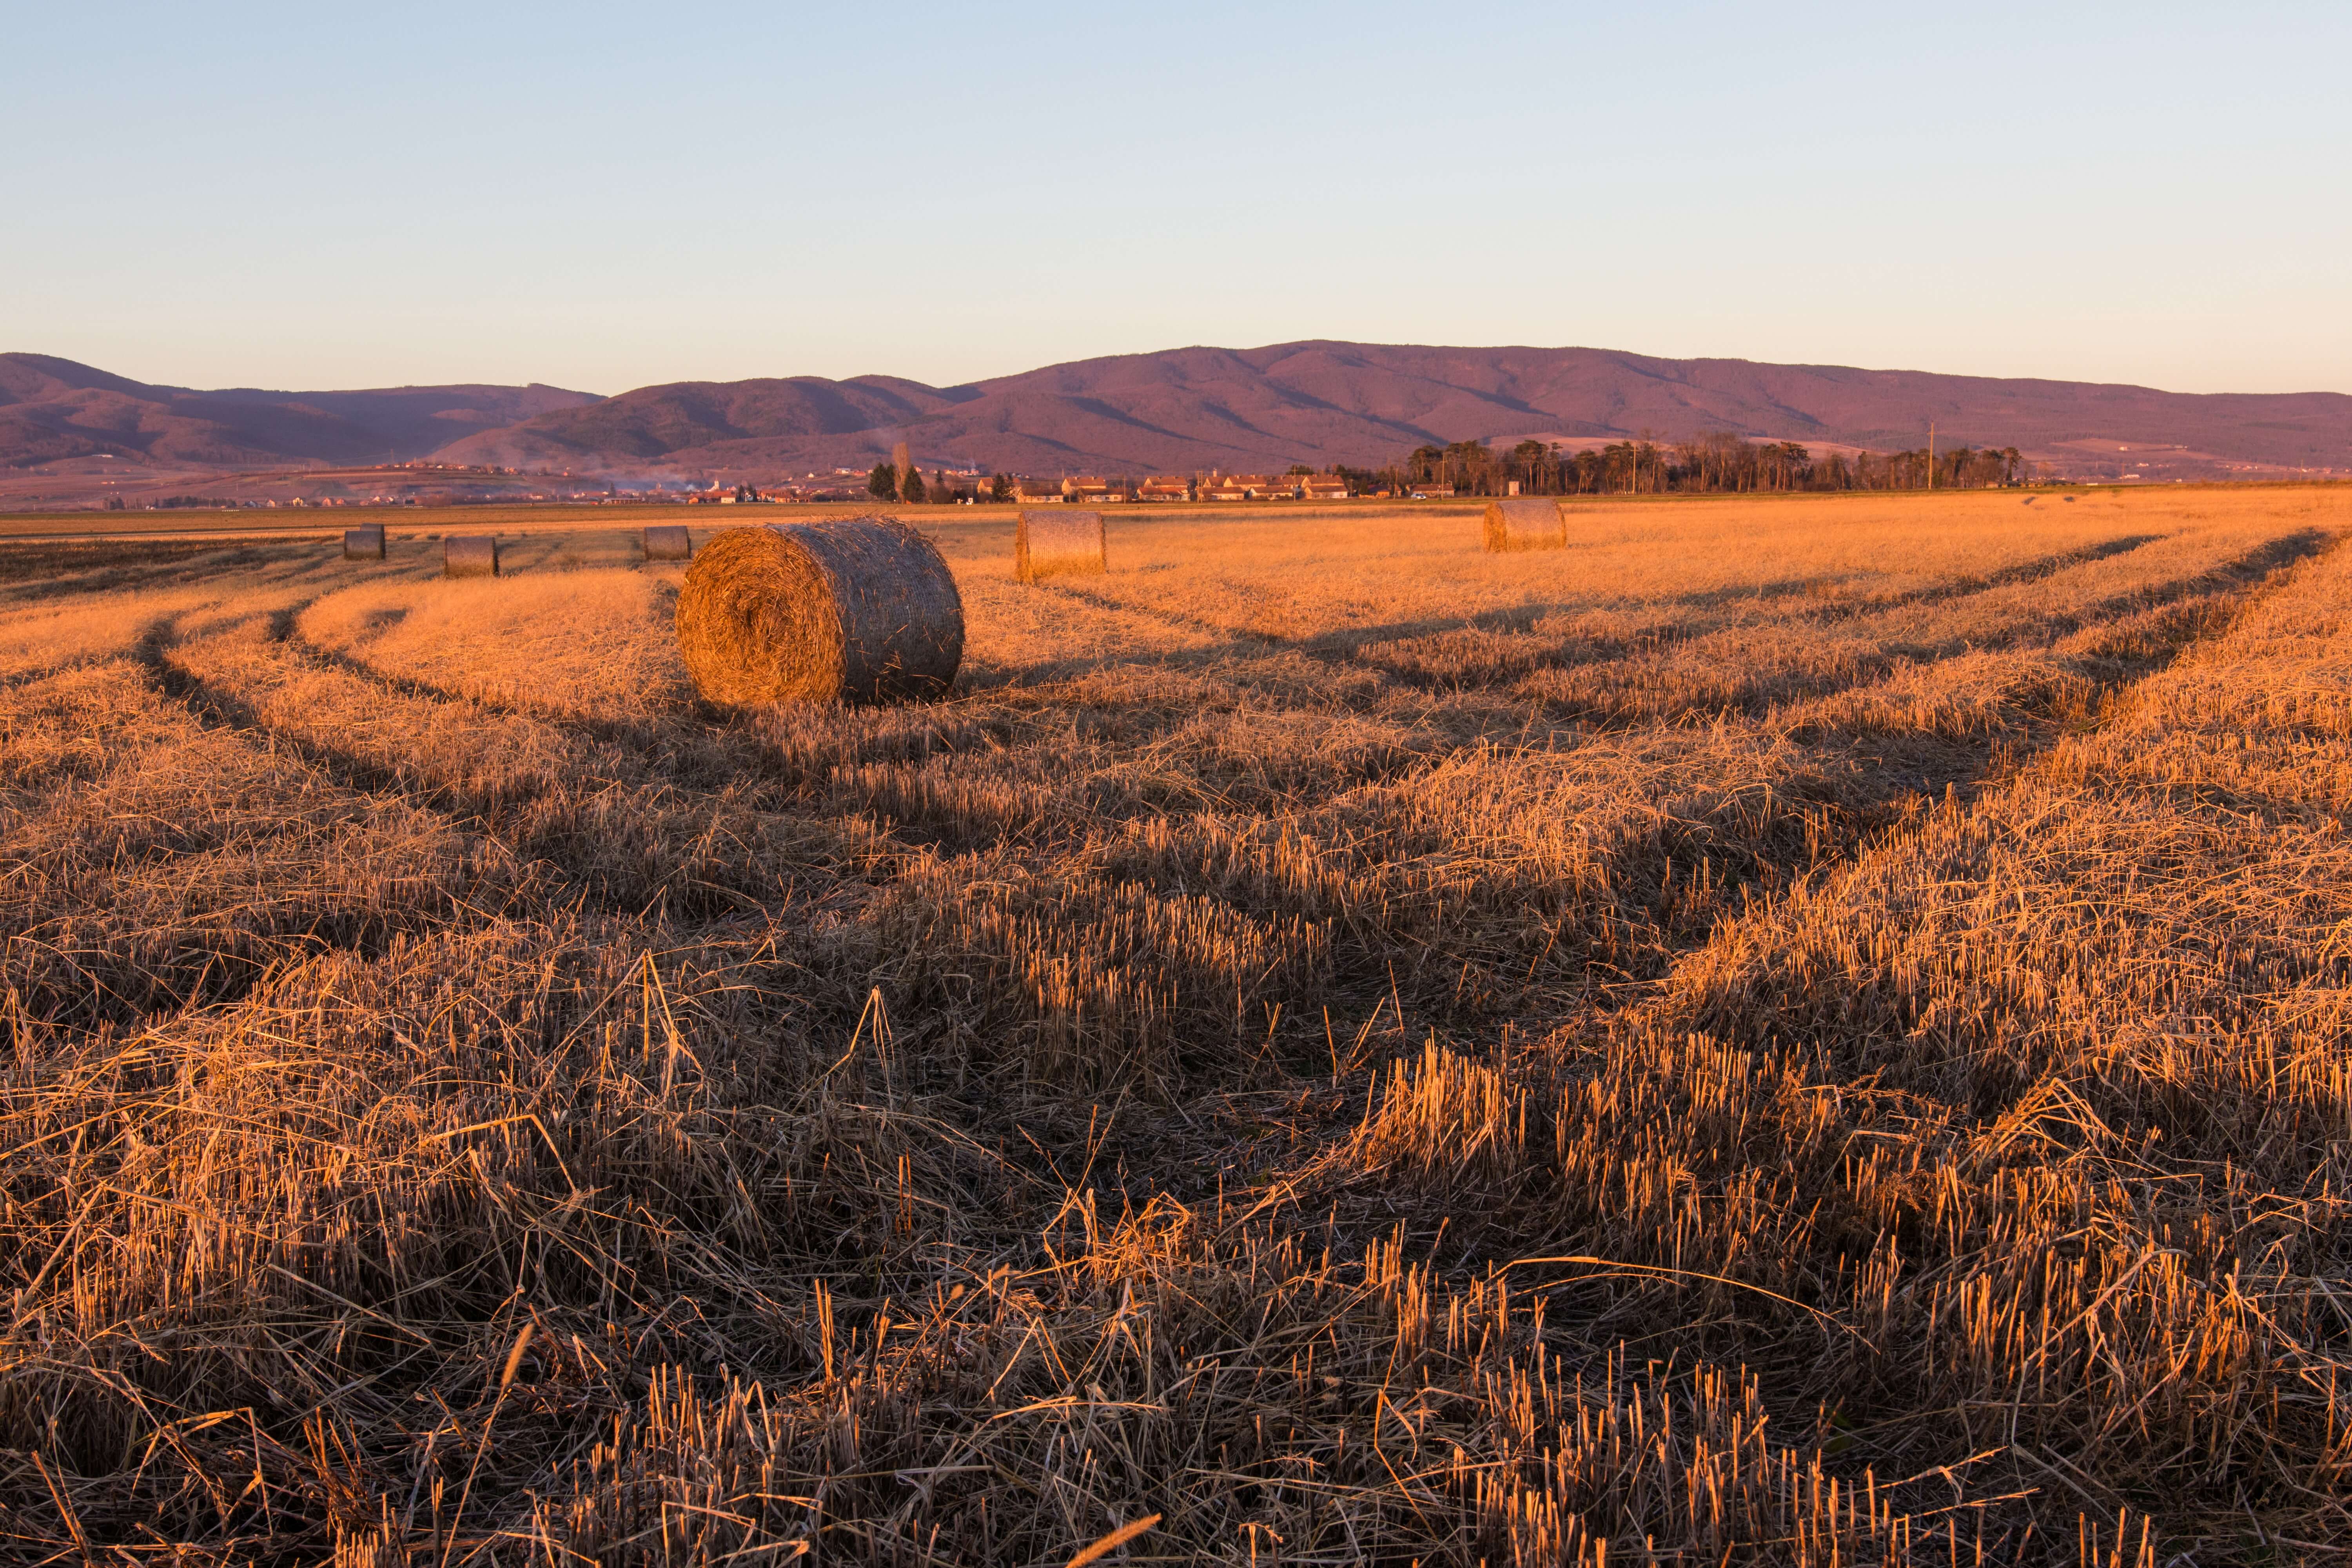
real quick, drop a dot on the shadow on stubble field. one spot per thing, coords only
(1781, 1033)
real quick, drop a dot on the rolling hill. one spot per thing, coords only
(53, 409)
(1179, 410)
(1323, 403)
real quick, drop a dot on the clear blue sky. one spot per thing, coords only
(604, 195)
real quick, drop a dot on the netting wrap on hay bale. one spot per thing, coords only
(861, 610)
(363, 543)
(1048, 543)
(1525, 522)
(669, 542)
(469, 555)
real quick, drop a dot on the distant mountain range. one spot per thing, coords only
(1177, 411)
(54, 408)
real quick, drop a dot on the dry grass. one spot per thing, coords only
(1784, 1031)
(587, 643)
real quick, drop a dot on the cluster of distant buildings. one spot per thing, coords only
(1083, 490)
(1092, 489)
(1078, 489)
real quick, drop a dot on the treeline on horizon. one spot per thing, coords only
(1714, 462)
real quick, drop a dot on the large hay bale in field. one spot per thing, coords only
(1048, 543)
(669, 542)
(860, 610)
(469, 555)
(1525, 522)
(363, 543)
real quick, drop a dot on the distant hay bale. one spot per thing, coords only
(1525, 522)
(363, 543)
(469, 555)
(859, 610)
(1049, 543)
(669, 542)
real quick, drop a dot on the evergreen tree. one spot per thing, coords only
(882, 484)
(913, 490)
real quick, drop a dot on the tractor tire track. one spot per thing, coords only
(1876, 793)
(627, 840)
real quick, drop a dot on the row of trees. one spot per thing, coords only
(1715, 462)
(890, 483)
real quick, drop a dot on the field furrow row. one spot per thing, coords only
(1780, 1033)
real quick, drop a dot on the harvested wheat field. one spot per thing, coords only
(1804, 1031)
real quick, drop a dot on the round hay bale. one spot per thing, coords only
(469, 555)
(1525, 522)
(1048, 543)
(861, 610)
(669, 542)
(364, 542)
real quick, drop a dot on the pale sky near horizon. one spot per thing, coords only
(604, 197)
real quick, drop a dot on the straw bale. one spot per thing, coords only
(1525, 522)
(469, 555)
(1048, 543)
(364, 542)
(669, 542)
(859, 610)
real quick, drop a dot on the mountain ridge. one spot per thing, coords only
(1316, 400)
(53, 409)
(1325, 402)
